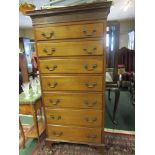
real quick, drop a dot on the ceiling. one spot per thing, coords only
(120, 10)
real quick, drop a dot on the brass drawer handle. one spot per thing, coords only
(90, 52)
(93, 136)
(90, 104)
(55, 117)
(49, 53)
(52, 85)
(51, 68)
(91, 120)
(86, 66)
(57, 134)
(86, 32)
(88, 85)
(47, 36)
(54, 103)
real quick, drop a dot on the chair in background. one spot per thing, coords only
(125, 66)
(122, 75)
(112, 85)
(125, 58)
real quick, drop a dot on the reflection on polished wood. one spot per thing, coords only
(79, 117)
(85, 83)
(82, 65)
(73, 100)
(74, 134)
(71, 48)
(70, 31)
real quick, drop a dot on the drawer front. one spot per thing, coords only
(70, 31)
(70, 100)
(25, 109)
(95, 83)
(70, 48)
(75, 134)
(79, 65)
(91, 118)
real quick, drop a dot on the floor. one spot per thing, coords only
(125, 115)
(125, 118)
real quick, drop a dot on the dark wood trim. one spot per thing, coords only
(71, 9)
(93, 11)
(23, 68)
(70, 17)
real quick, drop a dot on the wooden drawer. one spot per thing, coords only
(70, 48)
(70, 31)
(74, 65)
(75, 134)
(25, 109)
(73, 100)
(91, 118)
(86, 83)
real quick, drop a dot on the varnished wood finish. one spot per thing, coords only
(31, 109)
(70, 48)
(76, 134)
(26, 109)
(34, 114)
(22, 134)
(75, 65)
(32, 133)
(73, 100)
(70, 45)
(88, 118)
(70, 31)
(95, 83)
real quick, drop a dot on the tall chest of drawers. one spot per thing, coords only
(70, 44)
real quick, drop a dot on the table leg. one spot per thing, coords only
(109, 94)
(22, 132)
(36, 123)
(117, 95)
(41, 115)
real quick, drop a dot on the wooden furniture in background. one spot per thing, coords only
(125, 57)
(31, 107)
(22, 133)
(113, 86)
(23, 68)
(70, 45)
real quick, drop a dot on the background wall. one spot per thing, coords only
(125, 27)
(26, 33)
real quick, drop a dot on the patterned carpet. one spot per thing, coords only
(115, 144)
